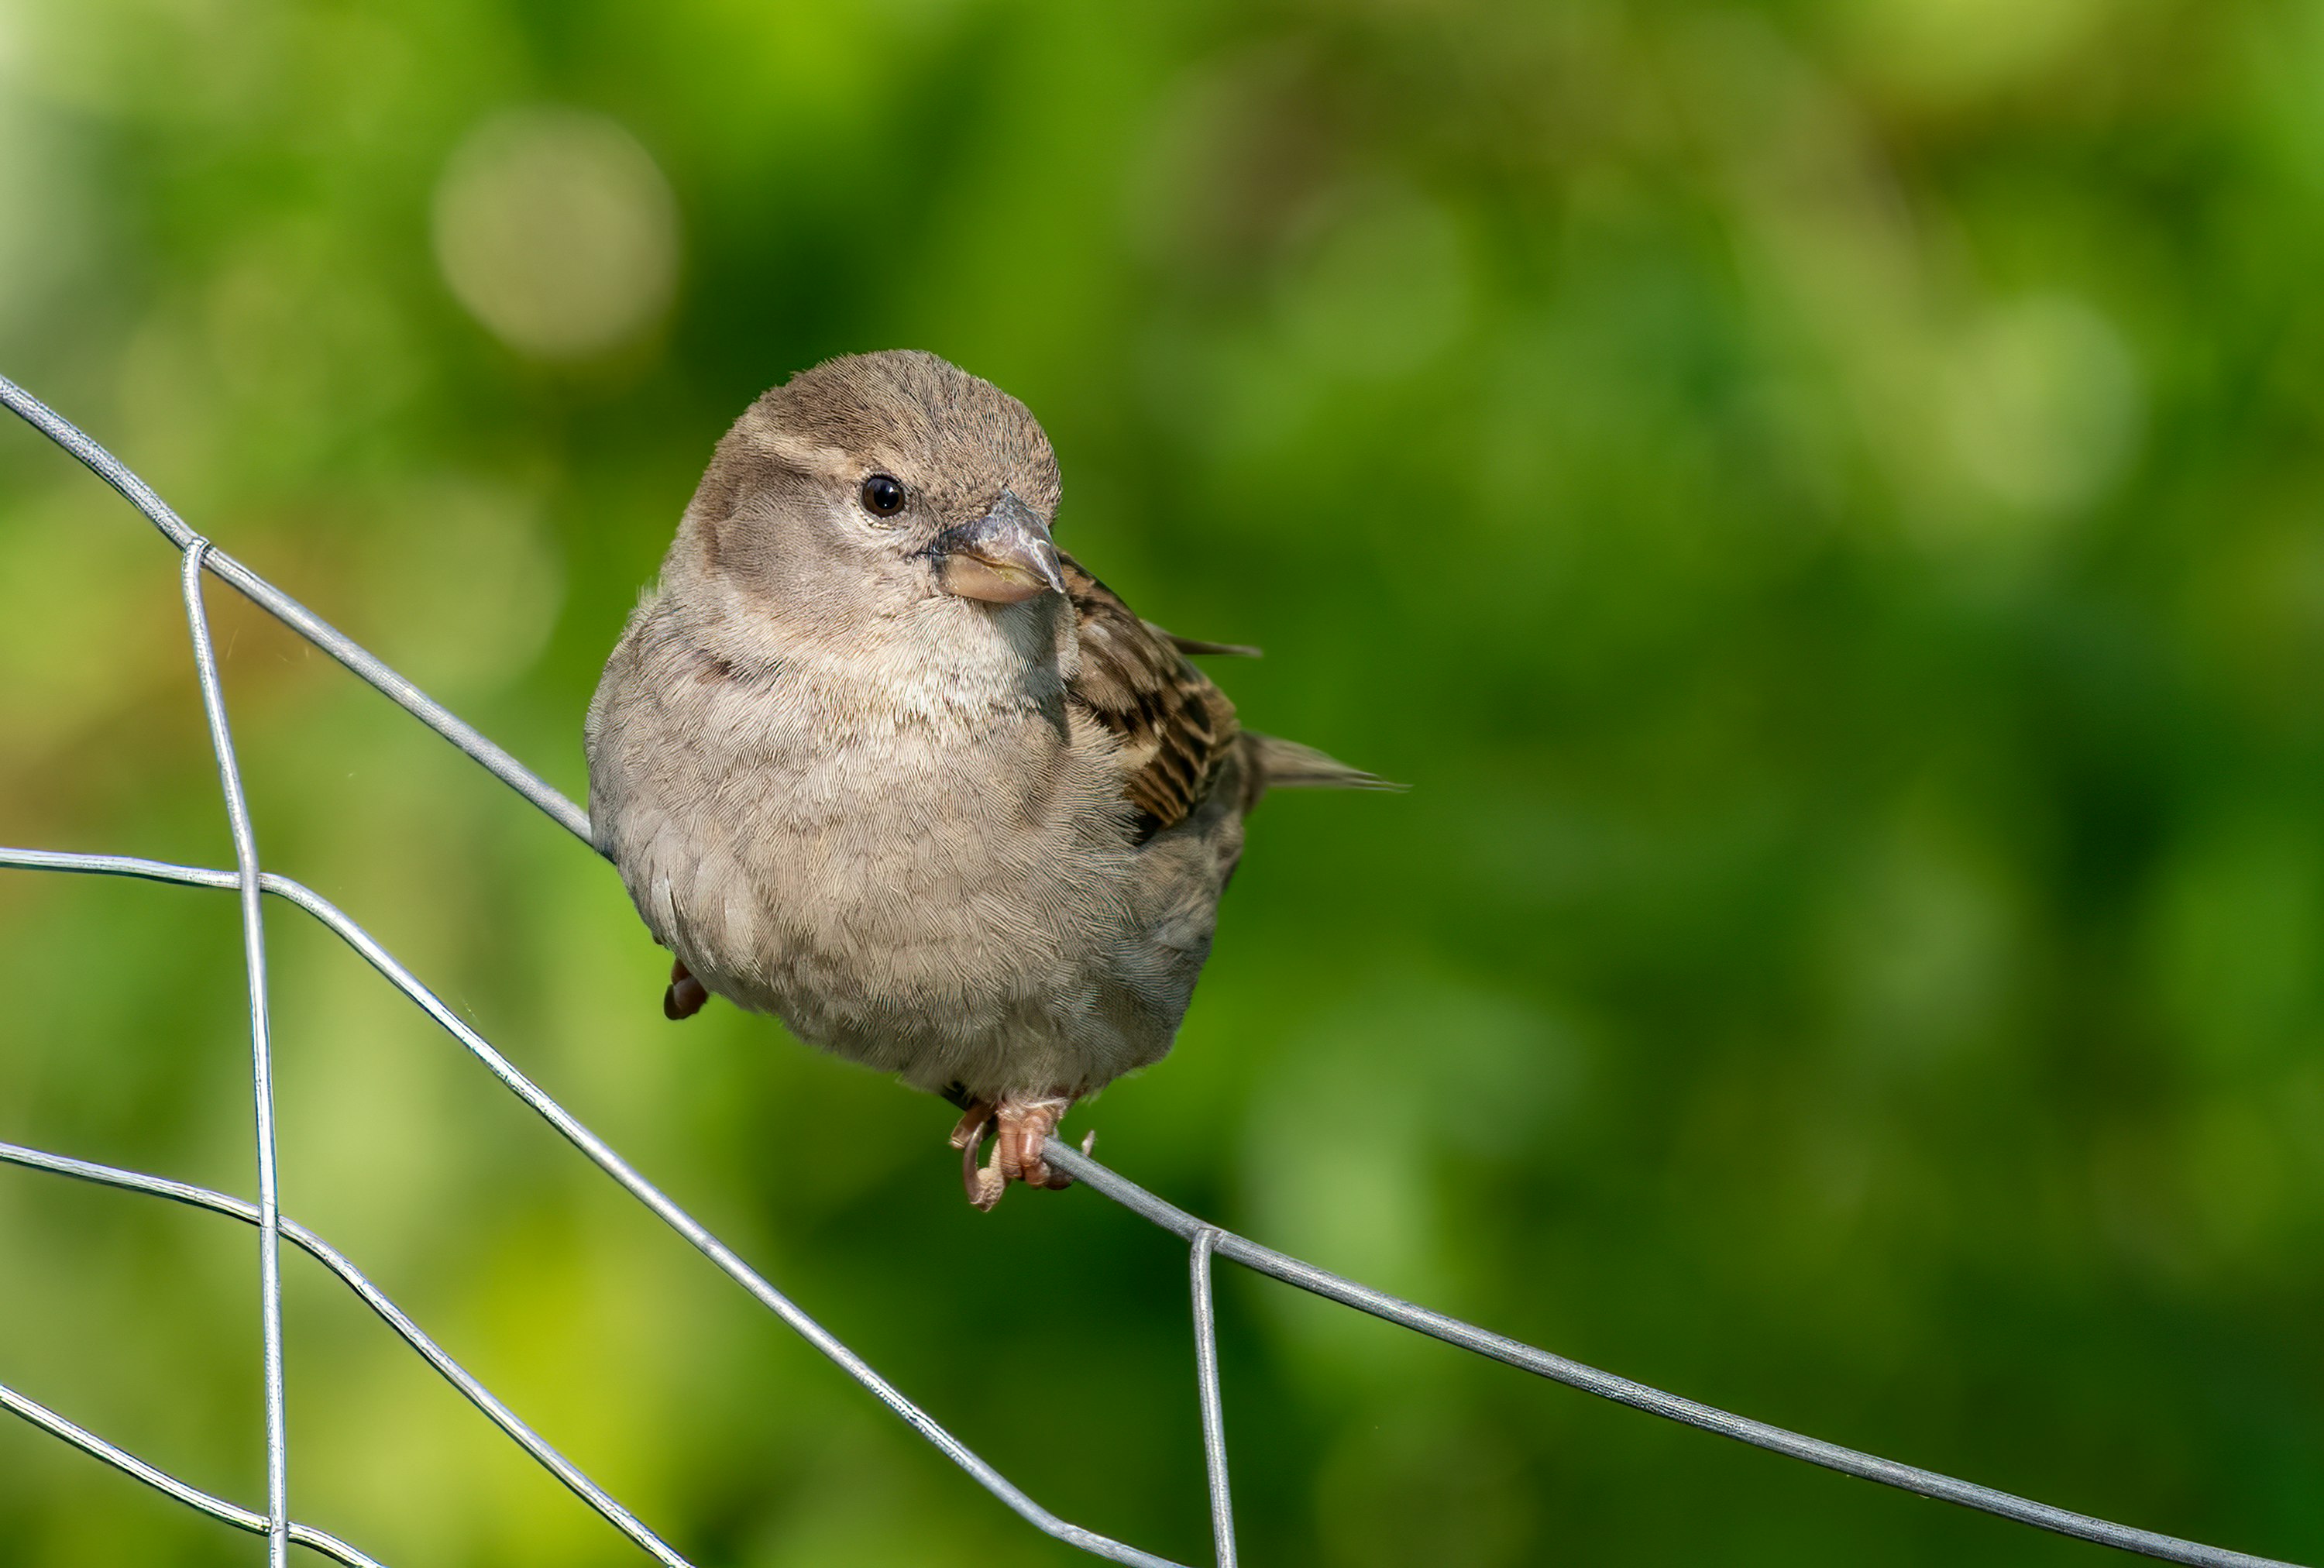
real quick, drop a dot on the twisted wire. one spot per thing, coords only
(1205, 1240)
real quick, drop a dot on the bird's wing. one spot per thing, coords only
(1175, 728)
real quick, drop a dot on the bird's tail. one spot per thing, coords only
(1269, 763)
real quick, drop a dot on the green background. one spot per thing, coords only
(1823, 502)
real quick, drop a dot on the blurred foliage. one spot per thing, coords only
(1823, 501)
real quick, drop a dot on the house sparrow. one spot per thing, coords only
(878, 758)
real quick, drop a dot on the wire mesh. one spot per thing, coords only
(252, 883)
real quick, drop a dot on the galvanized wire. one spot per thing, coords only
(1205, 1240)
(409, 1332)
(170, 1486)
(261, 1055)
(1206, 1390)
(603, 1156)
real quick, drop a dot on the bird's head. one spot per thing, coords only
(870, 486)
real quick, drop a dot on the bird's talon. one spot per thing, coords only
(1021, 1129)
(969, 1130)
(969, 1177)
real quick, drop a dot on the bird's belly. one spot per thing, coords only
(969, 914)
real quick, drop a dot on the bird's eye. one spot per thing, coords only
(883, 496)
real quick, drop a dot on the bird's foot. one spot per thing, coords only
(1021, 1125)
(685, 994)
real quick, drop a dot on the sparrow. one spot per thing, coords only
(878, 758)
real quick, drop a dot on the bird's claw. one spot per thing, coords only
(969, 1130)
(1021, 1125)
(984, 1186)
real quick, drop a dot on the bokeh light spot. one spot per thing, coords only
(1948, 50)
(2042, 403)
(557, 230)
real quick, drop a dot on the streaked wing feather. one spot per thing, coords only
(1175, 729)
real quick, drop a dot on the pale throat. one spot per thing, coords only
(941, 657)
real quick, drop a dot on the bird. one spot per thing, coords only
(876, 757)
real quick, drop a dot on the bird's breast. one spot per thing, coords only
(919, 885)
(919, 855)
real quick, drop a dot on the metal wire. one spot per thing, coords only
(1205, 1240)
(411, 1333)
(603, 1156)
(168, 1485)
(262, 1059)
(1636, 1396)
(365, 664)
(1206, 1389)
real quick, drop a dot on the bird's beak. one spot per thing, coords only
(1002, 557)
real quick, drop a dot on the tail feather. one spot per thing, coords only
(1195, 645)
(1270, 763)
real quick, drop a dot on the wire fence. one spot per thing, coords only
(1205, 1241)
